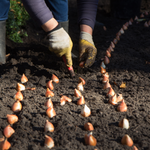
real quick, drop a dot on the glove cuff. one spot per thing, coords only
(56, 28)
(86, 36)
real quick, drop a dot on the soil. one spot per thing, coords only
(130, 63)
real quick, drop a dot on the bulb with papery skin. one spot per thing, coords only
(81, 101)
(122, 107)
(24, 79)
(103, 70)
(48, 126)
(81, 64)
(18, 96)
(107, 85)
(106, 60)
(110, 93)
(126, 140)
(124, 27)
(49, 93)
(50, 112)
(4, 144)
(108, 54)
(49, 103)
(62, 102)
(20, 87)
(103, 65)
(8, 131)
(86, 112)
(81, 80)
(88, 126)
(54, 78)
(135, 148)
(119, 98)
(124, 123)
(17, 106)
(113, 99)
(49, 85)
(112, 45)
(80, 86)
(49, 143)
(90, 139)
(12, 119)
(77, 93)
(105, 77)
(115, 41)
(67, 99)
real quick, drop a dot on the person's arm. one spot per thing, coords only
(87, 10)
(59, 41)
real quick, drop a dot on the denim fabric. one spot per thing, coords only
(4, 9)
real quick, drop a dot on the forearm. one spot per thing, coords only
(87, 10)
(38, 10)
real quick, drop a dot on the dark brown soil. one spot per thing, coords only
(130, 63)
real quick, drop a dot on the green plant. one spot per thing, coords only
(16, 21)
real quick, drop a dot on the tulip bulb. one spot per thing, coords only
(54, 78)
(80, 86)
(130, 23)
(110, 93)
(118, 37)
(81, 101)
(107, 85)
(88, 126)
(49, 85)
(17, 106)
(112, 45)
(124, 123)
(12, 119)
(20, 87)
(103, 70)
(90, 139)
(18, 96)
(124, 27)
(146, 24)
(48, 126)
(122, 107)
(115, 41)
(24, 79)
(146, 13)
(105, 77)
(126, 24)
(131, 20)
(102, 65)
(77, 93)
(126, 140)
(106, 60)
(86, 112)
(142, 16)
(81, 80)
(8, 131)
(108, 54)
(4, 145)
(67, 99)
(49, 143)
(121, 31)
(136, 18)
(113, 99)
(119, 98)
(49, 93)
(118, 34)
(50, 112)
(62, 102)
(135, 148)
(49, 103)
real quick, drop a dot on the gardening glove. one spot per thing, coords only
(61, 44)
(87, 49)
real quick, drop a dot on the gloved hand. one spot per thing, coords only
(61, 44)
(87, 49)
